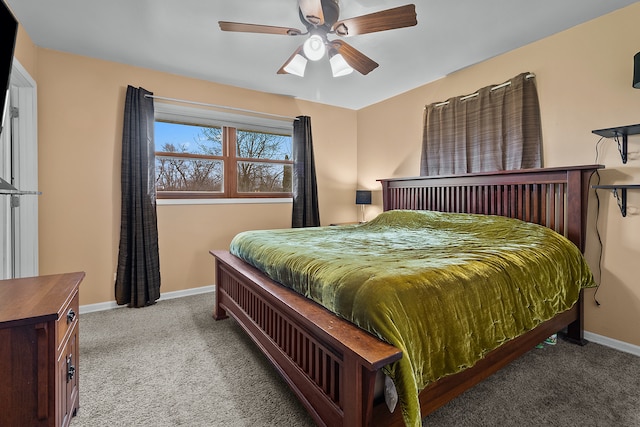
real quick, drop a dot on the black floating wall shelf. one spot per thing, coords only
(621, 197)
(620, 131)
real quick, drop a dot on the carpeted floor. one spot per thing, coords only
(171, 364)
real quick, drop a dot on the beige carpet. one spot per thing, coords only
(171, 364)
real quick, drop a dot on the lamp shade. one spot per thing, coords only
(339, 66)
(636, 71)
(363, 197)
(297, 65)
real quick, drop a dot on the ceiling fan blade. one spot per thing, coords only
(397, 17)
(255, 28)
(312, 12)
(356, 59)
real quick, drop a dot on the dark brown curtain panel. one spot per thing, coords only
(496, 129)
(305, 191)
(138, 274)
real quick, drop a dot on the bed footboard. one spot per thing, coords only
(329, 363)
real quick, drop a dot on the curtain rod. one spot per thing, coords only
(473, 95)
(204, 104)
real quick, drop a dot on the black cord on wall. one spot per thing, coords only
(597, 174)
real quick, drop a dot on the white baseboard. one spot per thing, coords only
(164, 296)
(610, 342)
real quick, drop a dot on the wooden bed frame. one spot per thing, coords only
(330, 364)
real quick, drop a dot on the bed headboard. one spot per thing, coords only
(552, 197)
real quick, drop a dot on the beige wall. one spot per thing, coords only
(80, 108)
(583, 77)
(584, 83)
(26, 52)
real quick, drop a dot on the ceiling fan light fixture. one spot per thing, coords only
(321, 19)
(314, 48)
(339, 66)
(297, 65)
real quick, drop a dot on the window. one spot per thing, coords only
(208, 154)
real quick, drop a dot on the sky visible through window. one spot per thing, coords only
(261, 161)
(178, 135)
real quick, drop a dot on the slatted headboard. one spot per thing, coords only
(543, 196)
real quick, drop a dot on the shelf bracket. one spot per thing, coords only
(616, 133)
(622, 149)
(620, 193)
(621, 199)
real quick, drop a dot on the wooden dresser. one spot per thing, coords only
(39, 350)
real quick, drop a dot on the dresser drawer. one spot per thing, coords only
(67, 380)
(67, 320)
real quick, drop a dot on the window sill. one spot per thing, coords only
(264, 200)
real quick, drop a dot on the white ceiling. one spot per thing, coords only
(182, 37)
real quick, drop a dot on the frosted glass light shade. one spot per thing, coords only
(296, 66)
(339, 66)
(314, 48)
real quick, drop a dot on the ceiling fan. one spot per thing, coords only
(320, 17)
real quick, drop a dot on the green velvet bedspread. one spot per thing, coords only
(444, 288)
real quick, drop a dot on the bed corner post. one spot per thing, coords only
(358, 391)
(218, 312)
(575, 329)
(578, 181)
(386, 203)
(577, 192)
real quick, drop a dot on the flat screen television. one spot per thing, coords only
(9, 26)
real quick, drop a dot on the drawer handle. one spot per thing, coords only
(71, 370)
(71, 315)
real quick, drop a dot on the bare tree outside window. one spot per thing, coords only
(194, 165)
(255, 176)
(195, 159)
